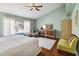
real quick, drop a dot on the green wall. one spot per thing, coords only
(1, 25)
(69, 8)
(54, 18)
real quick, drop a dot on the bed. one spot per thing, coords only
(19, 46)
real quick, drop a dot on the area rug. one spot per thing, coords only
(46, 43)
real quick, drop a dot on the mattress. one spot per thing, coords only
(19, 45)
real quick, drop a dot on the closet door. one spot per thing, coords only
(66, 28)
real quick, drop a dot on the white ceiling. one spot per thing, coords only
(20, 9)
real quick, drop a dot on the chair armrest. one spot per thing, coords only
(73, 43)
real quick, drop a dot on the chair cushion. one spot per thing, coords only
(65, 46)
(64, 43)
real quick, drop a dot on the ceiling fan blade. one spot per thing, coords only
(39, 6)
(28, 6)
(37, 9)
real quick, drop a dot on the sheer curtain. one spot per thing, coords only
(8, 25)
(27, 26)
(12, 25)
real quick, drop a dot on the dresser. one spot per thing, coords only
(47, 33)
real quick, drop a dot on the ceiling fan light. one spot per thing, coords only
(33, 8)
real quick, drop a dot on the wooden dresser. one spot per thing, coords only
(47, 33)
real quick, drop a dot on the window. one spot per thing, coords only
(26, 26)
(12, 26)
(8, 25)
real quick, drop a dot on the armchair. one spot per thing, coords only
(64, 45)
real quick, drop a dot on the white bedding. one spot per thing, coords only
(19, 45)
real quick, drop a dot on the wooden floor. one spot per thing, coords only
(54, 52)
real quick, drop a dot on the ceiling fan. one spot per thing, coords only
(35, 7)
